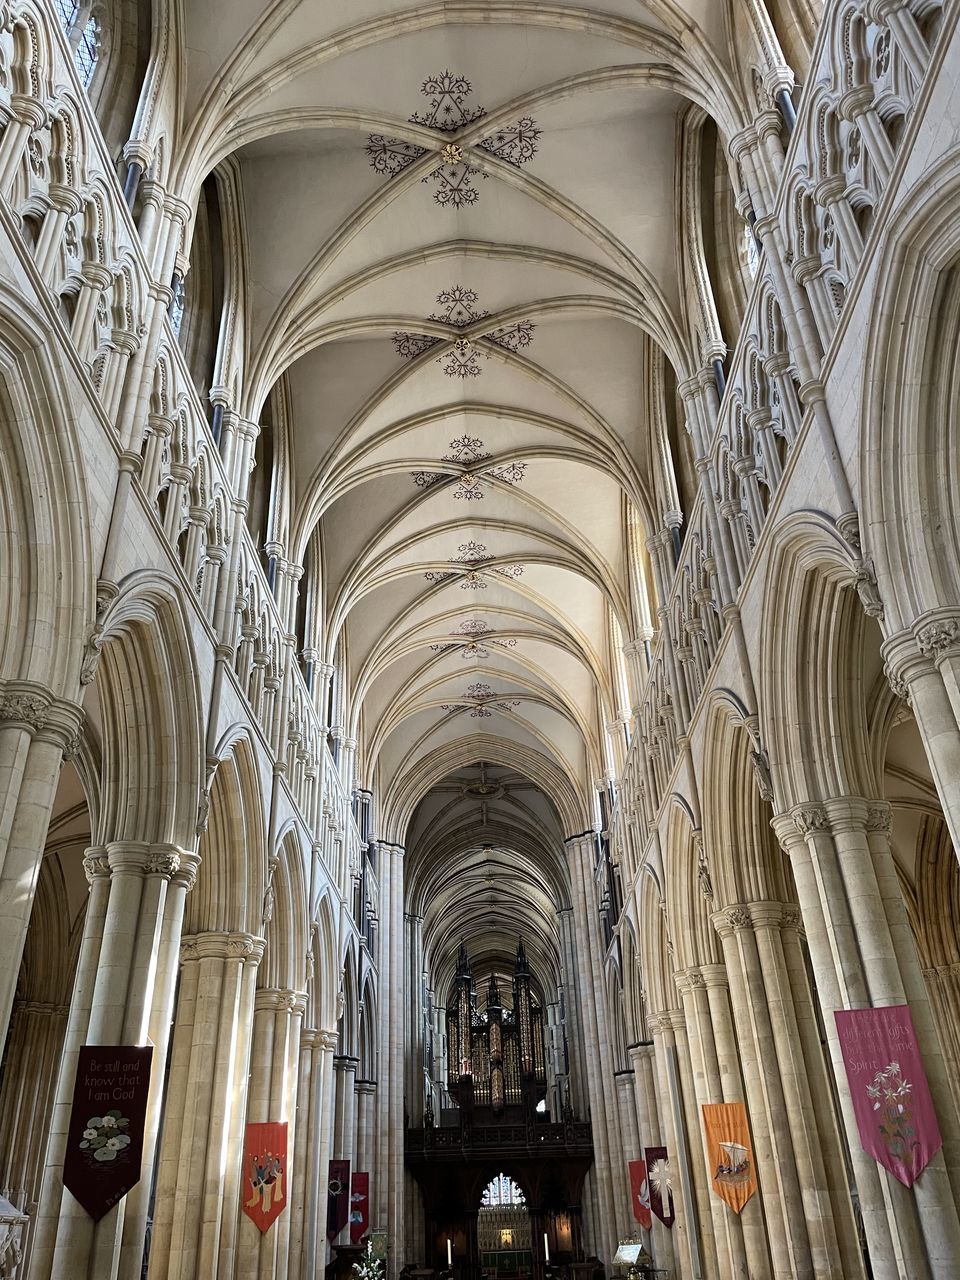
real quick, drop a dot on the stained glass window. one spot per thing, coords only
(502, 1190)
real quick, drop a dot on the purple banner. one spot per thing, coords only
(891, 1098)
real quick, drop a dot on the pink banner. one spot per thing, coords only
(891, 1099)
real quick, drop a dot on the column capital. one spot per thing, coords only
(365, 1086)
(134, 857)
(221, 946)
(328, 1040)
(280, 1000)
(732, 919)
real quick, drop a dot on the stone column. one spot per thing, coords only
(29, 1077)
(321, 1138)
(923, 667)
(716, 1078)
(201, 1151)
(677, 1087)
(366, 1091)
(344, 1118)
(271, 1096)
(846, 883)
(777, 1161)
(131, 927)
(310, 1051)
(651, 1135)
(592, 1005)
(35, 731)
(393, 1012)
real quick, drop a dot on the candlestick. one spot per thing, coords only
(546, 1248)
(449, 1253)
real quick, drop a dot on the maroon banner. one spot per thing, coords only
(661, 1185)
(338, 1197)
(265, 1185)
(891, 1098)
(640, 1192)
(359, 1206)
(105, 1138)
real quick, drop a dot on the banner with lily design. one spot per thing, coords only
(891, 1098)
(105, 1138)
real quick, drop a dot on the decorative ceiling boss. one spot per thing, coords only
(468, 451)
(458, 305)
(448, 112)
(473, 553)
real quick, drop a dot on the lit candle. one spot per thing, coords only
(449, 1253)
(546, 1248)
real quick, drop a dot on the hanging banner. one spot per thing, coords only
(661, 1186)
(105, 1138)
(359, 1206)
(640, 1192)
(338, 1197)
(729, 1152)
(265, 1173)
(891, 1098)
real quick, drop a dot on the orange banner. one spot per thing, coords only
(730, 1153)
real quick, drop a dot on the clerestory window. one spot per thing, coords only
(84, 41)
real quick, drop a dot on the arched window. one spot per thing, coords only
(751, 253)
(502, 1190)
(84, 39)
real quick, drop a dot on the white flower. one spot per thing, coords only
(114, 1144)
(90, 1133)
(109, 1122)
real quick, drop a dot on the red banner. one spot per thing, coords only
(891, 1098)
(105, 1138)
(661, 1185)
(359, 1206)
(640, 1192)
(338, 1197)
(265, 1185)
(729, 1152)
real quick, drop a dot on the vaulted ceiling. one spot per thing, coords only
(460, 229)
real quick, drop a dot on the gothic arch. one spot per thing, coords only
(911, 427)
(47, 584)
(228, 895)
(146, 691)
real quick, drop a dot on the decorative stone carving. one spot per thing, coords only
(878, 818)
(898, 685)
(162, 864)
(811, 818)
(937, 637)
(761, 769)
(737, 917)
(792, 918)
(96, 864)
(28, 709)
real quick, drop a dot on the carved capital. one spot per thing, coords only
(936, 639)
(26, 710)
(878, 818)
(732, 919)
(811, 818)
(96, 864)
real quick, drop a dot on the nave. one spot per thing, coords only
(479, 640)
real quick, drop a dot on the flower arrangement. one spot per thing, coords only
(369, 1267)
(104, 1138)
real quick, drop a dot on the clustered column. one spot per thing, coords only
(863, 955)
(123, 994)
(198, 1181)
